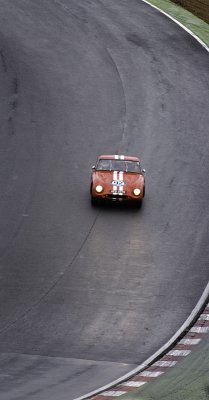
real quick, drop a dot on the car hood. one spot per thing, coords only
(110, 176)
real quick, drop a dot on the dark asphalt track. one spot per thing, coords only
(86, 294)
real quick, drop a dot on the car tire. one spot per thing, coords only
(138, 203)
(94, 201)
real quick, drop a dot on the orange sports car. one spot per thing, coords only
(117, 178)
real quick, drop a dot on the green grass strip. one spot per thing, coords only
(190, 21)
(188, 380)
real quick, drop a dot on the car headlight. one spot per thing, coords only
(99, 188)
(137, 192)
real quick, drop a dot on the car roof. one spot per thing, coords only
(118, 157)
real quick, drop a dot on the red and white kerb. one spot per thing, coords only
(182, 349)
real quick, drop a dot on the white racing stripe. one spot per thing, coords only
(115, 177)
(121, 179)
(121, 176)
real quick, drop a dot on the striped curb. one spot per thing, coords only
(183, 348)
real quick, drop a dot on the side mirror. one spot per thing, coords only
(93, 167)
(144, 170)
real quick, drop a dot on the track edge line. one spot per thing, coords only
(202, 43)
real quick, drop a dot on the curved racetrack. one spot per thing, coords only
(87, 293)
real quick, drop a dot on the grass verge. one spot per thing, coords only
(190, 21)
(188, 380)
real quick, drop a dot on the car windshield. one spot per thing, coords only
(118, 165)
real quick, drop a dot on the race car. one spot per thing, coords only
(117, 178)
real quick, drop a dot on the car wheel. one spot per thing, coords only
(138, 203)
(94, 201)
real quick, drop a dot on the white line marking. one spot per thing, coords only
(121, 179)
(151, 374)
(190, 341)
(178, 353)
(121, 176)
(113, 393)
(115, 177)
(165, 363)
(199, 329)
(204, 317)
(133, 383)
